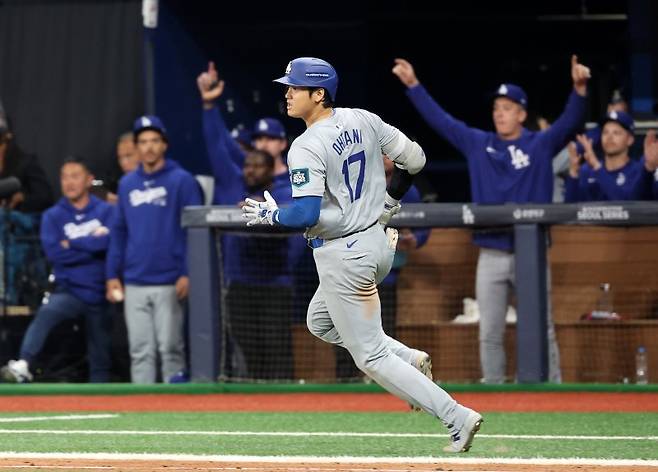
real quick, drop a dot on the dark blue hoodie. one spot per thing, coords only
(80, 269)
(504, 171)
(148, 245)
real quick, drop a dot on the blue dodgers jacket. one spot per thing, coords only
(501, 171)
(253, 260)
(148, 244)
(79, 269)
(605, 185)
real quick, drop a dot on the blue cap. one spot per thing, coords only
(242, 135)
(311, 72)
(269, 127)
(149, 122)
(514, 93)
(621, 117)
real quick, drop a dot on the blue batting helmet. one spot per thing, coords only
(311, 72)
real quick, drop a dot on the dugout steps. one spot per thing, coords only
(274, 388)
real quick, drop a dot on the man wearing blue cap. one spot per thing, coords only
(148, 252)
(616, 178)
(511, 164)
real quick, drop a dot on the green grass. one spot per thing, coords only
(290, 387)
(594, 424)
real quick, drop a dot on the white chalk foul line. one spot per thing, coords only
(331, 459)
(28, 419)
(544, 437)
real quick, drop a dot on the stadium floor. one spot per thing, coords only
(305, 430)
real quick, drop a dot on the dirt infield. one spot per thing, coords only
(310, 402)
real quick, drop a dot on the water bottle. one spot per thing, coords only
(641, 366)
(603, 309)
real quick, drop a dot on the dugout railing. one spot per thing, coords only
(530, 224)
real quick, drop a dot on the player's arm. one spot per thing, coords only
(51, 241)
(409, 160)
(456, 132)
(210, 89)
(573, 117)
(307, 177)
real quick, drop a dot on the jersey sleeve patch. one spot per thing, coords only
(300, 177)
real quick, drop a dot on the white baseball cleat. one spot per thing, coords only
(423, 363)
(16, 372)
(461, 441)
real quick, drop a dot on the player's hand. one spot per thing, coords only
(574, 160)
(260, 213)
(114, 290)
(651, 151)
(210, 87)
(405, 72)
(580, 75)
(407, 240)
(589, 155)
(391, 207)
(182, 287)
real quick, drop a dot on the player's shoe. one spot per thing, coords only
(461, 441)
(16, 372)
(423, 363)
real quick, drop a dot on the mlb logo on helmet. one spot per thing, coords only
(514, 93)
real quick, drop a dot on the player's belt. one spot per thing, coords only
(319, 242)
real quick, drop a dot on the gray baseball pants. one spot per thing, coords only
(154, 319)
(345, 311)
(495, 278)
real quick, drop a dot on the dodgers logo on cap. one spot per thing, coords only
(146, 122)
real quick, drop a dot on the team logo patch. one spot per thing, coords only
(299, 177)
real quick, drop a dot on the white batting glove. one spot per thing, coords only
(391, 207)
(260, 213)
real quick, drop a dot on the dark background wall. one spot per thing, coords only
(460, 53)
(72, 75)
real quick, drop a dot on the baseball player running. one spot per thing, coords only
(340, 197)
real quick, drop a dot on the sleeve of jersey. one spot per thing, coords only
(567, 125)
(303, 213)
(225, 170)
(454, 131)
(118, 241)
(571, 190)
(643, 183)
(51, 243)
(307, 172)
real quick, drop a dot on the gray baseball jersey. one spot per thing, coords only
(340, 160)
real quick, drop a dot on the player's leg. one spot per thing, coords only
(61, 306)
(347, 283)
(320, 324)
(138, 311)
(492, 292)
(554, 372)
(98, 326)
(168, 324)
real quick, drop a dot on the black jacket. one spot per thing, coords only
(35, 186)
